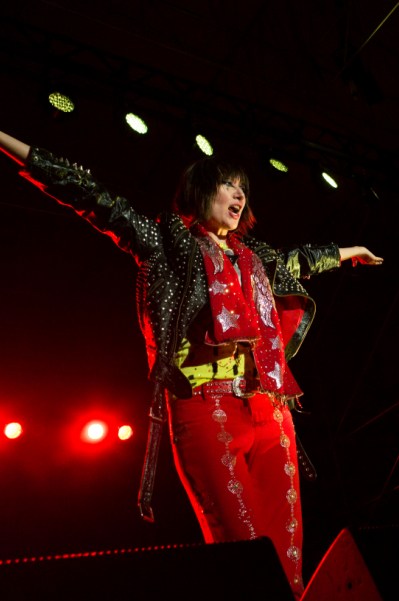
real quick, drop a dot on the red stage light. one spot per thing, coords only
(94, 431)
(125, 432)
(13, 430)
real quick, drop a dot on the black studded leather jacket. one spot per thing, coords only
(171, 280)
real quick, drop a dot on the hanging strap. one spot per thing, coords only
(156, 423)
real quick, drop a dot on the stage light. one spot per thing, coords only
(94, 431)
(329, 179)
(136, 123)
(125, 432)
(61, 102)
(204, 145)
(13, 430)
(278, 165)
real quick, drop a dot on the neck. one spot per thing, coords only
(217, 237)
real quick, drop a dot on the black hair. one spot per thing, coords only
(199, 185)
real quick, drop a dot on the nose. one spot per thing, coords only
(238, 192)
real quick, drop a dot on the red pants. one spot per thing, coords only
(237, 461)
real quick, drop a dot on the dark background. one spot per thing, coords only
(316, 82)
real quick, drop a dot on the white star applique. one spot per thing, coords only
(227, 320)
(276, 374)
(275, 342)
(218, 287)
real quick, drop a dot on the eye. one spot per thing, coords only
(230, 184)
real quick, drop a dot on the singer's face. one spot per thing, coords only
(226, 208)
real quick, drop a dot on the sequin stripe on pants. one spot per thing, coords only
(237, 461)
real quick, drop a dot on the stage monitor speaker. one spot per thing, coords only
(344, 575)
(239, 570)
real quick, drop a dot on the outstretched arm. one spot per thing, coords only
(75, 187)
(308, 260)
(15, 149)
(19, 151)
(360, 254)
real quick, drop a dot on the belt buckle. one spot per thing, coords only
(237, 390)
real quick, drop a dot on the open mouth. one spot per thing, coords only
(235, 209)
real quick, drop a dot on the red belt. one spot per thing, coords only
(239, 387)
(242, 388)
